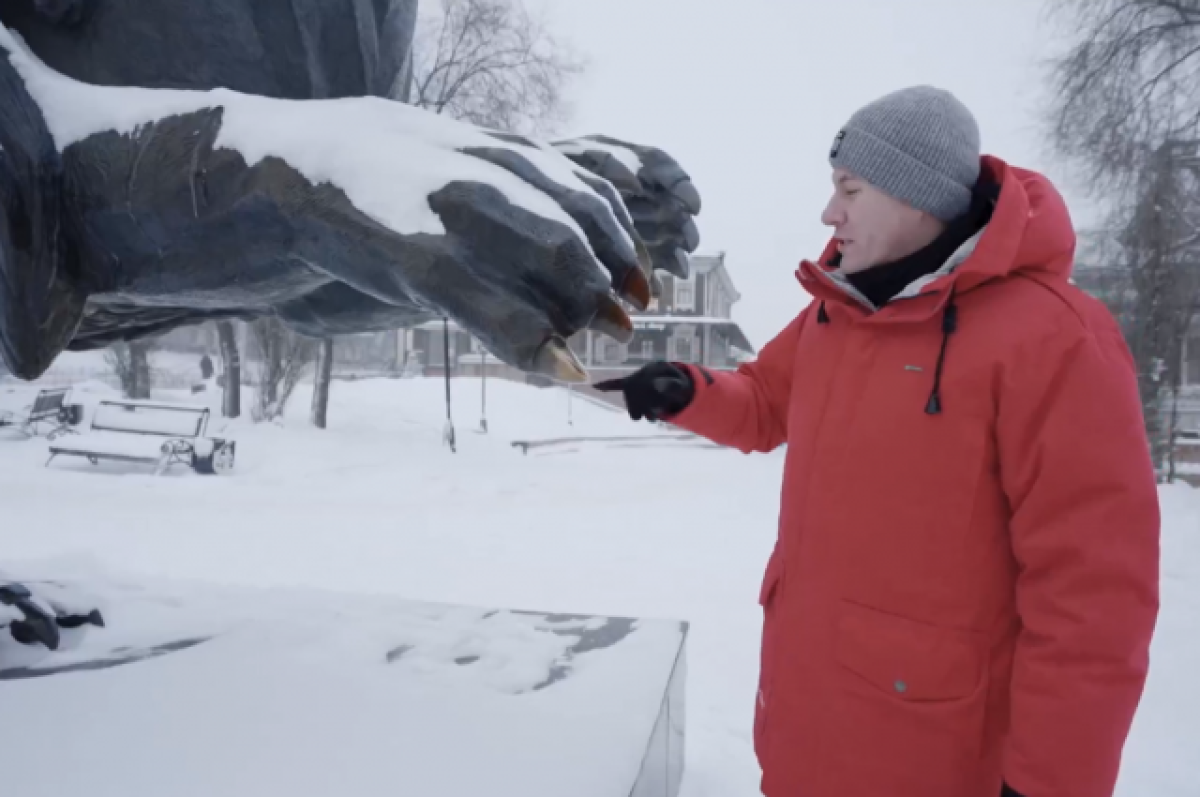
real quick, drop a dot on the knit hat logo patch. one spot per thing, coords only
(837, 144)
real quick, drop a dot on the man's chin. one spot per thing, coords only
(852, 265)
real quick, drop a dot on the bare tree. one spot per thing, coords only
(131, 363)
(494, 64)
(231, 381)
(282, 357)
(1126, 108)
(1129, 83)
(1161, 254)
(321, 384)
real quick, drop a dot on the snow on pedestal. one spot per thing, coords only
(201, 690)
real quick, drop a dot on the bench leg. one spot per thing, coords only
(59, 430)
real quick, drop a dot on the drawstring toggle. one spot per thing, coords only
(949, 327)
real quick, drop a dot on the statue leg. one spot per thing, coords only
(112, 322)
(338, 309)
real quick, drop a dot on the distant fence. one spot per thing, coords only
(526, 445)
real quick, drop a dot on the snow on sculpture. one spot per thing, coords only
(167, 163)
(173, 162)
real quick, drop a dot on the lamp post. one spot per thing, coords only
(448, 431)
(483, 411)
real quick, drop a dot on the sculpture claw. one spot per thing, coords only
(685, 264)
(656, 285)
(618, 173)
(643, 255)
(556, 360)
(673, 260)
(611, 320)
(691, 235)
(685, 191)
(636, 289)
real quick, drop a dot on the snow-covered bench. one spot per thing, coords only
(50, 407)
(152, 433)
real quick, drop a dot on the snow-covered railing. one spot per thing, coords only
(525, 445)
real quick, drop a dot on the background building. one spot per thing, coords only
(690, 321)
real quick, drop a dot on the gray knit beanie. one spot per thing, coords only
(919, 145)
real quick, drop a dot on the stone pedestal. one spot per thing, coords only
(195, 691)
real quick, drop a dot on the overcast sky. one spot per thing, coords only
(748, 95)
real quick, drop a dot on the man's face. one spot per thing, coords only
(872, 227)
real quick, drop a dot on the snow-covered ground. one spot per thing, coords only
(652, 528)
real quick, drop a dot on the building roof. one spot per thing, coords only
(715, 264)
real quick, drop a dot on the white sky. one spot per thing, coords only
(748, 95)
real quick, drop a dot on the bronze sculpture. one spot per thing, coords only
(252, 180)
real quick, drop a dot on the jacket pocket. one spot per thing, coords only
(767, 599)
(913, 698)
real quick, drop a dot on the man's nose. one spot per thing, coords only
(832, 216)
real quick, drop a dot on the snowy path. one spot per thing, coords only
(376, 504)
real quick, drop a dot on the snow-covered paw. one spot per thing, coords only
(658, 193)
(355, 216)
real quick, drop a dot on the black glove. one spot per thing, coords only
(654, 392)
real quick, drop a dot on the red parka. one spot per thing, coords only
(965, 583)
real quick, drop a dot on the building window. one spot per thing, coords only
(1191, 361)
(683, 350)
(647, 350)
(609, 351)
(685, 295)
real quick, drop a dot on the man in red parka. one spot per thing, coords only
(965, 584)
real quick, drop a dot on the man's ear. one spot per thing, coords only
(931, 222)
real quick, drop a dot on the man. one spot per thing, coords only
(965, 585)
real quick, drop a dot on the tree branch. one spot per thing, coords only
(492, 64)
